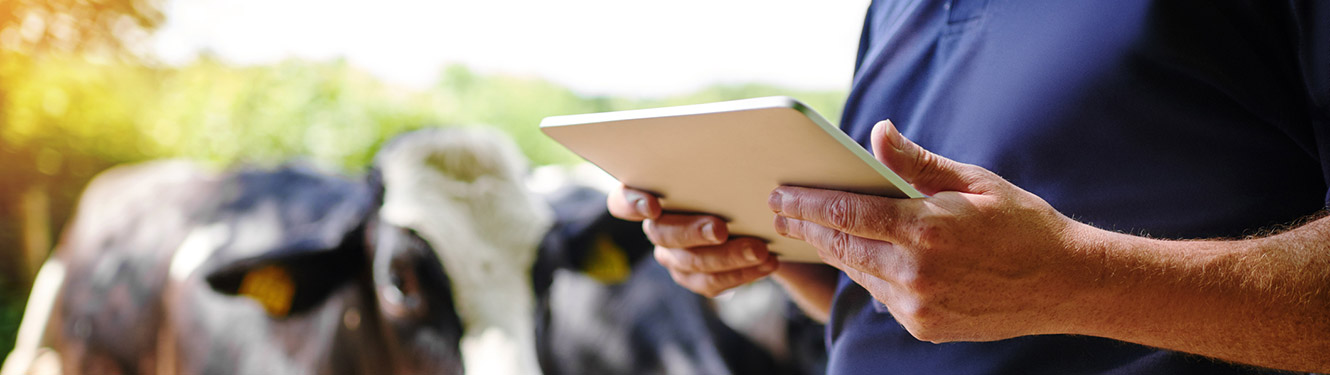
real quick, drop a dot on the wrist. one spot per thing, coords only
(1121, 279)
(1097, 278)
(810, 286)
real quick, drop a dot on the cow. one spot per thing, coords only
(133, 298)
(606, 306)
(601, 303)
(440, 261)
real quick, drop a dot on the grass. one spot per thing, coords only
(11, 312)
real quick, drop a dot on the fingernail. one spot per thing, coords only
(894, 136)
(750, 255)
(642, 207)
(767, 267)
(779, 224)
(709, 231)
(774, 200)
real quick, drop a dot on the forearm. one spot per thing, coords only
(811, 286)
(1263, 301)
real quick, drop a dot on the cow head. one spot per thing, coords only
(330, 255)
(286, 237)
(456, 197)
(294, 241)
(585, 238)
(446, 257)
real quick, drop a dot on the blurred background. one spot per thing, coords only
(89, 84)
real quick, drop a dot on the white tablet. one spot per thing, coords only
(725, 158)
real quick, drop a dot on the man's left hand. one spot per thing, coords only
(979, 259)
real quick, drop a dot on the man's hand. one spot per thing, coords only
(696, 249)
(979, 260)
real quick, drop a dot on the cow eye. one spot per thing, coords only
(403, 289)
(403, 277)
(395, 278)
(398, 266)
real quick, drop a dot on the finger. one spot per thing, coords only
(883, 290)
(888, 293)
(712, 284)
(631, 204)
(731, 255)
(861, 215)
(928, 172)
(843, 250)
(683, 231)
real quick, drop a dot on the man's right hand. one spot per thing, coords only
(696, 249)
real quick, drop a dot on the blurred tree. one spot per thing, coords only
(41, 173)
(100, 27)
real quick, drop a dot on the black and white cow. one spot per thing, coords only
(602, 305)
(133, 297)
(444, 262)
(112, 260)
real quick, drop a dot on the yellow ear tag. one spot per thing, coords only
(271, 286)
(607, 262)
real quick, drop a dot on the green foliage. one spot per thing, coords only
(11, 311)
(330, 112)
(326, 112)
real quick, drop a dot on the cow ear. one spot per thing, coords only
(586, 238)
(294, 278)
(606, 261)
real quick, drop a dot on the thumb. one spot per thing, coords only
(928, 172)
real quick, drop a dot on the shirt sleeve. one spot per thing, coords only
(1313, 23)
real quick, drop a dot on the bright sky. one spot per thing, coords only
(621, 47)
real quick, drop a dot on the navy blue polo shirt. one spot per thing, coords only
(1173, 119)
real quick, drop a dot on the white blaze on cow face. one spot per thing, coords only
(196, 248)
(462, 191)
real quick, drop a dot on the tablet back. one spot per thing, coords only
(725, 158)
